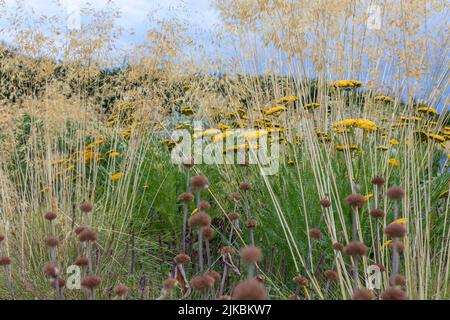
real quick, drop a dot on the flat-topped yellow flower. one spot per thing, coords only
(312, 105)
(436, 137)
(343, 148)
(394, 162)
(222, 136)
(383, 148)
(116, 176)
(113, 154)
(207, 133)
(187, 110)
(253, 134)
(383, 98)
(287, 99)
(393, 142)
(275, 110)
(346, 84)
(427, 110)
(400, 221)
(223, 127)
(366, 124)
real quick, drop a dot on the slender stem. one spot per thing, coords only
(200, 249)
(89, 252)
(208, 256)
(224, 278)
(183, 235)
(355, 272)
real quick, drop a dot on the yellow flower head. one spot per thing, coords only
(116, 176)
(275, 110)
(394, 162)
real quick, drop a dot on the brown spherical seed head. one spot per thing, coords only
(2, 237)
(394, 293)
(233, 216)
(50, 270)
(250, 224)
(381, 267)
(395, 230)
(199, 183)
(235, 196)
(88, 235)
(378, 181)
(50, 216)
(51, 241)
(395, 193)
(207, 232)
(377, 213)
(325, 203)
(202, 283)
(397, 280)
(81, 261)
(79, 229)
(362, 294)
(331, 274)
(91, 282)
(355, 200)
(228, 250)
(338, 246)
(251, 254)
(315, 233)
(86, 207)
(186, 197)
(200, 219)
(170, 283)
(204, 205)
(245, 186)
(182, 259)
(188, 163)
(250, 290)
(61, 282)
(120, 290)
(355, 248)
(214, 274)
(5, 261)
(301, 281)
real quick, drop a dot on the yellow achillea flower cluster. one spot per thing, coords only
(346, 84)
(187, 110)
(364, 124)
(274, 110)
(312, 105)
(427, 110)
(394, 162)
(287, 99)
(343, 148)
(383, 99)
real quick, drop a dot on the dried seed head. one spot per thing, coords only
(202, 283)
(88, 235)
(355, 248)
(170, 283)
(61, 282)
(331, 274)
(315, 233)
(182, 258)
(188, 163)
(5, 261)
(120, 290)
(395, 193)
(50, 216)
(250, 224)
(245, 186)
(233, 216)
(2, 237)
(207, 232)
(377, 213)
(91, 282)
(51, 241)
(397, 280)
(50, 270)
(200, 219)
(398, 245)
(355, 200)
(301, 281)
(214, 274)
(81, 261)
(338, 246)
(377, 180)
(394, 293)
(86, 207)
(395, 230)
(204, 205)
(251, 254)
(362, 294)
(79, 229)
(249, 290)
(235, 196)
(186, 197)
(228, 250)
(325, 203)
(199, 183)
